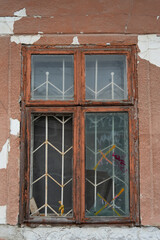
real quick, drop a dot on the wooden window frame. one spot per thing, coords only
(78, 107)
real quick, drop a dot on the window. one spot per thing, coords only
(79, 136)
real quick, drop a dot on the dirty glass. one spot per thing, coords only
(51, 165)
(107, 164)
(52, 77)
(106, 77)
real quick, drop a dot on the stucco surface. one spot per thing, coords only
(104, 16)
(101, 22)
(79, 233)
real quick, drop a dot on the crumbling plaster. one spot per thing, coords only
(149, 46)
(2, 215)
(7, 23)
(4, 154)
(79, 233)
(25, 39)
(75, 41)
(7, 28)
(14, 127)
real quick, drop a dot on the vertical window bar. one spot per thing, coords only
(46, 166)
(112, 78)
(63, 79)
(95, 156)
(47, 76)
(96, 77)
(62, 180)
(113, 185)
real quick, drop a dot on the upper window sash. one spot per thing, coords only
(107, 77)
(50, 77)
(79, 76)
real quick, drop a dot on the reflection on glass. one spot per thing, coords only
(107, 164)
(106, 77)
(52, 77)
(51, 165)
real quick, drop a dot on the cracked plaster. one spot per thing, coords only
(25, 39)
(79, 233)
(7, 23)
(149, 46)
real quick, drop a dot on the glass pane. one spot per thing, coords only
(107, 164)
(106, 77)
(51, 165)
(52, 77)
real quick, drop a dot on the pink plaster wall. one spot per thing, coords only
(101, 21)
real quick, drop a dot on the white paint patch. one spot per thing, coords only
(25, 39)
(158, 17)
(4, 154)
(20, 13)
(37, 16)
(75, 41)
(149, 46)
(108, 44)
(2, 214)
(14, 127)
(7, 24)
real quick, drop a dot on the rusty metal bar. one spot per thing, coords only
(62, 179)
(46, 167)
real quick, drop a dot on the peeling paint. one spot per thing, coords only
(3, 214)
(37, 16)
(149, 46)
(20, 13)
(7, 23)
(25, 39)
(158, 17)
(108, 44)
(4, 154)
(75, 41)
(14, 127)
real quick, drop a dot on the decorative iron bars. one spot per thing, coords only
(107, 167)
(106, 77)
(51, 165)
(52, 77)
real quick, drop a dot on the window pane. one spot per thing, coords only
(52, 77)
(106, 77)
(107, 164)
(51, 165)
